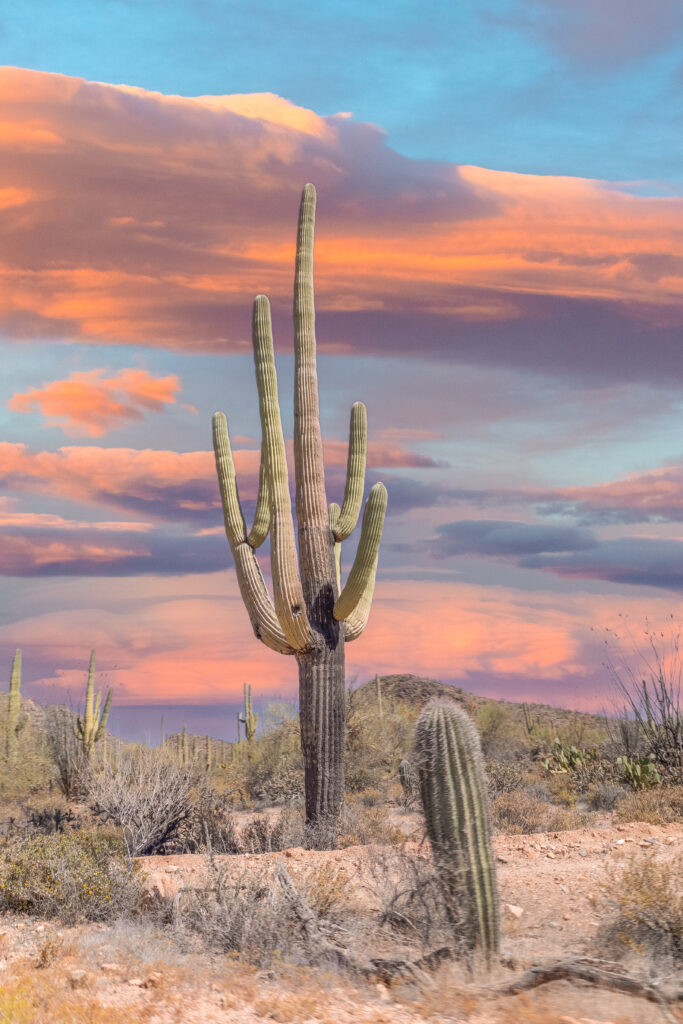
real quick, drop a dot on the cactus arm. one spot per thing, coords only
(355, 473)
(364, 568)
(96, 713)
(249, 577)
(290, 607)
(14, 704)
(317, 569)
(261, 526)
(88, 713)
(333, 515)
(105, 715)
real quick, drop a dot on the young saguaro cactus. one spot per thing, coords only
(90, 728)
(14, 705)
(311, 616)
(455, 801)
(247, 717)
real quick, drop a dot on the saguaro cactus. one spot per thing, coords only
(91, 727)
(455, 801)
(311, 616)
(14, 705)
(247, 717)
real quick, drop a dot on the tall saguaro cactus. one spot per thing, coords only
(455, 800)
(311, 615)
(90, 728)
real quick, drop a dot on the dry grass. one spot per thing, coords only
(644, 907)
(657, 806)
(519, 812)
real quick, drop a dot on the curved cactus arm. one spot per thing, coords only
(88, 727)
(333, 514)
(364, 568)
(311, 501)
(252, 586)
(355, 472)
(290, 606)
(261, 526)
(105, 715)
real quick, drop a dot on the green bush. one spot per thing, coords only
(70, 875)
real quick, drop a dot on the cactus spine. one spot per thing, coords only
(90, 728)
(312, 615)
(454, 796)
(247, 717)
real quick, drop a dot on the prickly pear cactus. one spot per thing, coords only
(454, 795)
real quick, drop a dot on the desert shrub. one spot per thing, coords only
(644, 908)
(408, 897)
(563, 790)
(28, 769)
(504, 776)
(491, 719)
(245, 915)
(538, 791)
(147, 795)
(517, 813)
(269, 768)
(362, 825)
(72, 876)
(605, 796)
(65, 750)
(375, 744)
(657, 806)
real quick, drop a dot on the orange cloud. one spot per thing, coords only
(160, 482)
(87, 403)
(188, 639)
(136, 217)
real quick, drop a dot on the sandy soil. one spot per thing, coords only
(130, 975)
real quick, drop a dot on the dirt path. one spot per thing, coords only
(132, 975)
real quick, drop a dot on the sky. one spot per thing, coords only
(499, 278)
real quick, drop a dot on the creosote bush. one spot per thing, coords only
(518, 813)
(657, 806)
(73, 876)
(643, 905)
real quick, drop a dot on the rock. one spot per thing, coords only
(513, 909)
(583, 853)
(136, 982)
(502, 860)
(531, 854)
(620, 842)
(550, 856)
(111, 968)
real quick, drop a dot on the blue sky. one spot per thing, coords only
(545, 86)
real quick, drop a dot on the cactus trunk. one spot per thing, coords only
(14, 705)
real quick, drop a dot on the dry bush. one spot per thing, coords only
(65, 750)
(375, 744)
(408, 898)
(29, 769)
(72, 876)
(644, 908)
(504, 776)
(605, 796)
(519, 813)
(362, 825)
(269, 768)
(147, 795)
(245, 915)
(657, 806)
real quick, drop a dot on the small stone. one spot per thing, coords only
(171, 868)
(622, 828)
(550, 856)
(513, 909)
(136, 982)
(110, 968)
(583, 853)
(564, 888)
(40, 927)
(620, 842)
(531, 854)
(670, 839)
(502, 860)
(566, 917)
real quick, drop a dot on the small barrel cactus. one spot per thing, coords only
(454, 795)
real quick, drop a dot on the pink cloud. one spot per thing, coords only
(153, 220)
(90, 404)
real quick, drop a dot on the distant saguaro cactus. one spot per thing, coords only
(14, 717)
(311, 616)
(454, 796)
(406, 777)
(90, 728)
(248, 718)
